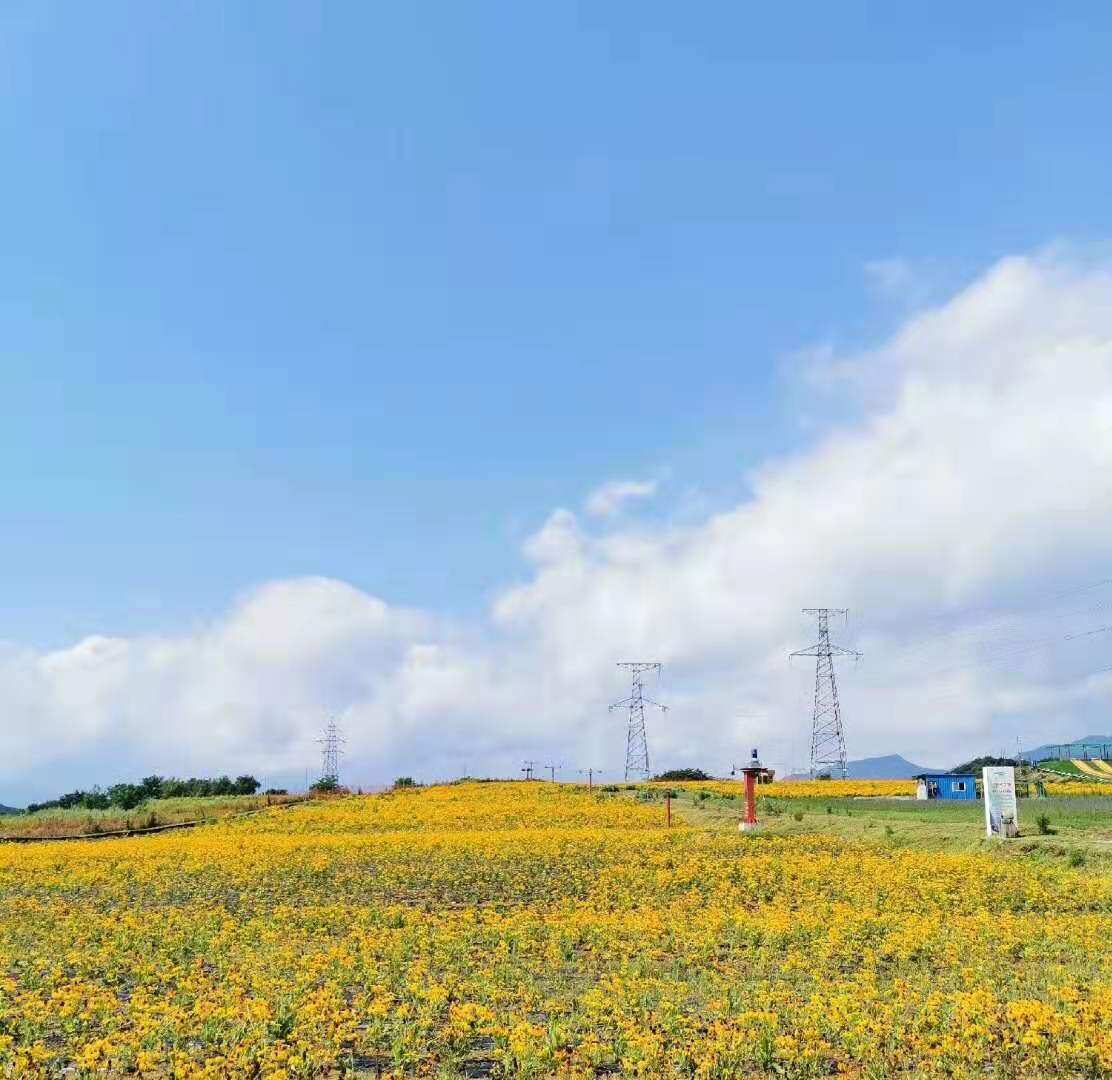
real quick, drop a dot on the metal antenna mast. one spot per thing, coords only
(528, 769)
(637, 745)
(331, 750)
(828, 740)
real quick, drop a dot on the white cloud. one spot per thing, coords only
(893, 277)
(607, 500)
(975, 484)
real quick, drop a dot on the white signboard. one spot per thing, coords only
(1001, 812)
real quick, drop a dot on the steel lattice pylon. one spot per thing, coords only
(331, 750)
(828, 741)
(637, 743)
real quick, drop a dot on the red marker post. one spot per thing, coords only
(751, 772)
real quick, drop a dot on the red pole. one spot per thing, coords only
(751, 772)
(668, 808)
(750, 797)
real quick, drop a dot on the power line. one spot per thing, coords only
(637, 743)
(828, 741)
(1014, 620)
(1000, 652)
(1088, 633)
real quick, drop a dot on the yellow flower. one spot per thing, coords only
(552, 931)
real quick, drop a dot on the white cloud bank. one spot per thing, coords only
(976, 485)
(607, 500)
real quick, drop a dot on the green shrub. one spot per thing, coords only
(1043, 824)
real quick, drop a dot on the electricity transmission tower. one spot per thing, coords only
(828, 740)
(552, 771)
(331, 750)
(528, 769)
(637, 744)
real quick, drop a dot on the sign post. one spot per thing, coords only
(1001, 811)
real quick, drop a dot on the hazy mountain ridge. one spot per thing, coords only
(1068, 749)
(886, 767)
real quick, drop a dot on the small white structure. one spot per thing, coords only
(1001, 811)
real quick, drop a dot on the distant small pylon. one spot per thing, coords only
(331, 744)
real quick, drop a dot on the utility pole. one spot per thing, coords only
(552, 771)
(528, 769)
(590, 774)
(331, 744)
(828, 740)
(637, 744)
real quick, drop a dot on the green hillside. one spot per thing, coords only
(1059, 769)
(1061, 766)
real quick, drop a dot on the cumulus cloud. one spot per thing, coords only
(608, 499)
(972, 490)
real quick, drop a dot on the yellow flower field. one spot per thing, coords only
(805, 789)
(1078, 788)
(532, 929)
(851, 789)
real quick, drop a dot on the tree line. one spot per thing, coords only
(128, 796)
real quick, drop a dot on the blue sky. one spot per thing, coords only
(368, 291)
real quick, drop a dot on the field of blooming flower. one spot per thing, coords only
(802, 789)
(150, 814)
(534, 930)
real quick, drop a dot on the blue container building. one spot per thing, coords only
(946, 786)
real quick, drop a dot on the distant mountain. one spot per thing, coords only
(890, 767)
(9, 809)
(1090, 743)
